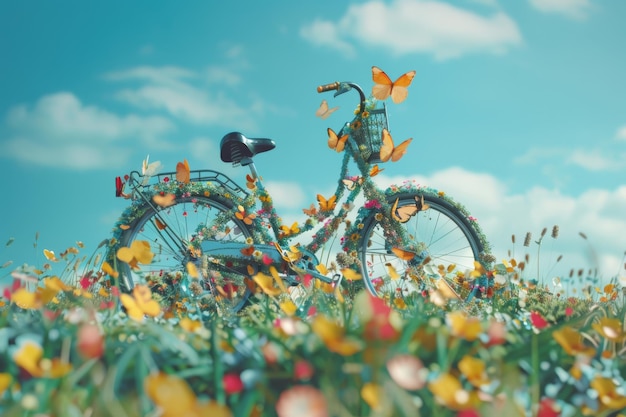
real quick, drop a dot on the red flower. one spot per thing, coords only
(303, 370)
(538, 321)
(232, 383)
(90, 341)
(548, 408)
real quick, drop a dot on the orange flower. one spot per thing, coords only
(572, 342)
(302, 401)
(175, 398)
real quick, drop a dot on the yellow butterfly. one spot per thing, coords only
(241, 215)
(351, 274)
(351, 182)
(324, 111)
(164, 200)
(405, 255)
(389, 151)
(327, 205)
(384, 87)
(288, 231)
(140, 303)
(182, 172)
(335, 142)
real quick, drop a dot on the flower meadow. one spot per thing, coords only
(73, 344)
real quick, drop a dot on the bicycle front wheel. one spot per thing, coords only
(440, 238)
(173, 233)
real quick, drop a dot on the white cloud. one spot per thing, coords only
(288, 195)
(61, 131)
(573, 9)
(621, 133)
(596, 160)
(417, 26)
(176, 91)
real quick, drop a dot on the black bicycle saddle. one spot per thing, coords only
(235, 147)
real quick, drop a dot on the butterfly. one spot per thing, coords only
(250, 182)
(164, 200)
(350, 274)
(389, 151)
(149, 169)
(288, 231)
(404, 213)
(241, 215)
(405, 255)
(324, 111)
(384, 87)
(140, 303)
(327, 205)
(335, 142)
(393, 274)
(182, 172)
(247, 251)
(375, 171)
(159, 224)
(312, 211)
(351, 182)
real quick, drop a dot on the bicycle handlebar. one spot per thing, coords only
(328, 87)
(342, 87)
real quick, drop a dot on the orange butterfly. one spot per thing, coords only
(182, 172)
(384, 87)
(312, 211)
(375, 171)
(159, 224)
(288, 231)
(327, 205)
(241, 215)
(247, 251)
(335, 142)
(324, 111)
(405, 255)
(250, 182)
(404, 213)
(389, 151)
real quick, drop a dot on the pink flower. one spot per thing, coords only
(302, 401)
(372, 204)
(407, 371)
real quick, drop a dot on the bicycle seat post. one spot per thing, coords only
(250, 163)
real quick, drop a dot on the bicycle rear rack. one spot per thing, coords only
(197, 176)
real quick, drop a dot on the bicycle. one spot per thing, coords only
(402, 240)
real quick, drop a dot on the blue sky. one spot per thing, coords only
(518, 109)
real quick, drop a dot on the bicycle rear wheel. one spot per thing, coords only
(439, 238)
(173, 233)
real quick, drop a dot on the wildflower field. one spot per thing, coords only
(71, 344)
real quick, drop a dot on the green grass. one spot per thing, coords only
(527, 351)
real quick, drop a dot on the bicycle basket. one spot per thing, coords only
(367, 133)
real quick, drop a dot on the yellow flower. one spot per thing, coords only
(175, 398)
(333, 336)
(474, 370)
(5, 381)
(572, 342)
(608, 398)
(288, 307)
(266, 282)
(190, 325)
(465, 327)
(372, 394)
(611, 329)
(29, 358)
(138, 253)
(449, 392)
(140, 303)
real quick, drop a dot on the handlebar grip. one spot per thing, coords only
(328, 87)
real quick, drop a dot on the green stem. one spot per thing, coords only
(535, 376)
